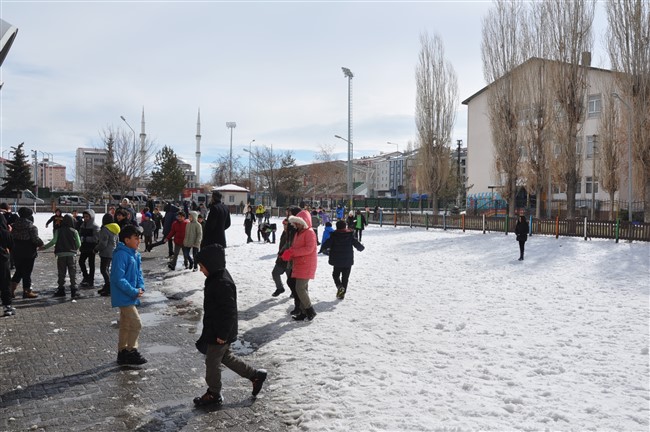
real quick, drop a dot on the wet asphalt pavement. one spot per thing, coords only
(59, 371)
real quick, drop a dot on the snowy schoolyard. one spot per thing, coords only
(447, 331)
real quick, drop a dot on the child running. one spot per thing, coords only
(220, 327)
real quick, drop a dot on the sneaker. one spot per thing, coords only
(258, 380)
(59, 292)
(299, 317)
(9, 310)
(208, 398)
(29, 294)
(340, 294)
(104, 292)
(122, 357)
(136, 358)
(277, 292)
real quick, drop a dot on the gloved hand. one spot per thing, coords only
(287, 255)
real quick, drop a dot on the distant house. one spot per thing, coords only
(233, 195)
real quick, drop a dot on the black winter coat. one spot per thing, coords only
(26, 239)
(219, 309)
(521, 229)
(216, 224)
(340, 245)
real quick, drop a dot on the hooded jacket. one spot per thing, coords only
(107, 241)
(126, 276)
(25, 235)
(170, 217)
(66, 239)
(303, 248)
(193, 232)
(6, 244)
(340, 245)
(220, 298)
(89, 232)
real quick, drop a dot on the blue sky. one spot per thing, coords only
(274, 68)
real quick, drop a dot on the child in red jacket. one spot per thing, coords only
(177, 233)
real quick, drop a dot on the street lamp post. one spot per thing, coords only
(395, 144)
(629, 156)
(348, 74)
(349, 181)
(231, 126)
(250, 184)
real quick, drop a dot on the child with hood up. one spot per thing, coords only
(89, 234)
(108, 238)
(148, 227)
(220, 327)
(66, 243)
(303, 257)
(326, 235)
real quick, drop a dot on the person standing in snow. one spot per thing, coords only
(303, 257)
(220, 327)
(106, 244)
(521, 230)
(249, 220)
(217, 223)
(24, 252)
(341, 256)
(359, 224)
(192, 241)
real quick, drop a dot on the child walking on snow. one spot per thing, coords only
(220, 327)
(340, 245)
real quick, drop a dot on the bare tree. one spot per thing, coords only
(270, 170)
(570, 34)
(629, 52)
(325, 174)
(435, 113)
(501, 54)
(609, 150)
(221, 171)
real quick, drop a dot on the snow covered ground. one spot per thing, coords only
(447, 331)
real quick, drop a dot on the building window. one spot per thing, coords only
(589, 184)
(594, 106)
(579, 187)
(591, 146)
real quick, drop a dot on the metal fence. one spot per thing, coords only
(617, 230)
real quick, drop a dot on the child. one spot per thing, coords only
(6, 244)
(127, 286)
(177, 233)
(148, 226)
(157, 219)
(55, 220)
(303, 257)
(326, 234)
(359, 223)
(192, 242)
(89, 234)
(105, 247)
(341, 257)
(66, 243)
(220, 327)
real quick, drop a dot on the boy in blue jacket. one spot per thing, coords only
(220, 327)
(127, 286)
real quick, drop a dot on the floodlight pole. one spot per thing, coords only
(231, 126)
(348, 74)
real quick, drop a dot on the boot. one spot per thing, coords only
(60, 292)
(296, 307)
(74, 293)
(311, 313)
(300, 316)
(29, 294)
(105, 291)
(13, 287)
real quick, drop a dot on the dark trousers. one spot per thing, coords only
(358, 233)
(218, 355)
(105, 270)
(24, 268)
(521, 248)
(277, 271)
(341, 276)
(88, 273)
(66, 264)
(155, 233)
(170, 246)
(148, 240)
(189, 256)
(5, 278)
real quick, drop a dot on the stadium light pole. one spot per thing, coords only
(231, 126)
(348, 74)
(395, 144)
(629, 156)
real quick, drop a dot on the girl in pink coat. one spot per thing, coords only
(303, 255)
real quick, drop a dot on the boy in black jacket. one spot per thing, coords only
(220, 326)
(341, 255)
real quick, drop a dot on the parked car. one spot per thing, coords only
(24, 197)
(74, 200)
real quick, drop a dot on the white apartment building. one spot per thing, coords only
(481, 170)
(51, 175)
(87, 162)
